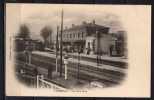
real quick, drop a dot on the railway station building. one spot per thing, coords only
(88, 38)
(91, 38)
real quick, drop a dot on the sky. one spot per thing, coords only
(37, 16)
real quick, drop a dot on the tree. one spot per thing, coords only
(24, 31)
(45, 33)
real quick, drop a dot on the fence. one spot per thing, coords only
(42, 83)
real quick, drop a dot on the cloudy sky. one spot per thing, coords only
(36, 16)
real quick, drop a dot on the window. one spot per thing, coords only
(82, 34)
(94, 45)
(88, 45)
(78, 35)
(67, 35)
(70, 35)
(74, 35)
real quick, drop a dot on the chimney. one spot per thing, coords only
(93, 21)
(84, 22)
(73, 25)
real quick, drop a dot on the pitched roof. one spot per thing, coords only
(87, 25)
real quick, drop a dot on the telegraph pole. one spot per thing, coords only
(61, 45)
(50, 40)
(57, 49)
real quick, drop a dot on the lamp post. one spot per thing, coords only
(97, 36)
(99, 53)
(78, 62)
(66, 66)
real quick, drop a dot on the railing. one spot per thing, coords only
(41, 83)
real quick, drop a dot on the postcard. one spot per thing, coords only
(78, 50)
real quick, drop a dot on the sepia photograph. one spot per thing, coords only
(77, 50)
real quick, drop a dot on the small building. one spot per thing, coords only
(119, 44)
(22, 44)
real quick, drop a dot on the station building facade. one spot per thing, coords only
(88, 38)
(91, 38)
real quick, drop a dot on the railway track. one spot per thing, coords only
(102, 61)
(100, 73)
(87, 73)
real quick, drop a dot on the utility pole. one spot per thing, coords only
(61, 45)
(57, 49)
(50, 40)
(98, 51)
